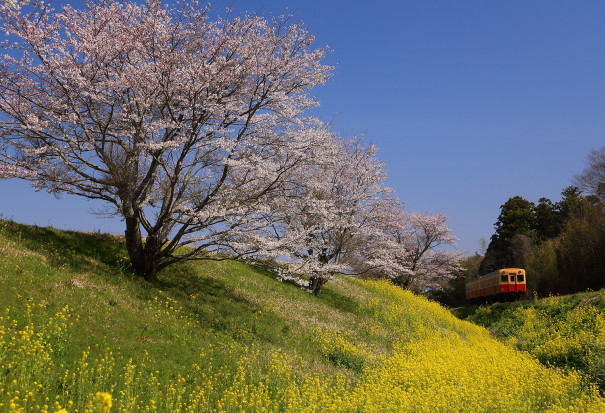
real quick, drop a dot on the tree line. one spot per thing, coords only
(196, 132)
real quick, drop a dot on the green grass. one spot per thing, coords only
(221, 309)
(78, 329)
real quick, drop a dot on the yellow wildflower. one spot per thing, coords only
(104, 399)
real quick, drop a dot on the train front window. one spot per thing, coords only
(503, 278)
(520, 278)
(512, 278)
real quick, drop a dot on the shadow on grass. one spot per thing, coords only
(77, 250)
(216, 304)
(328, 296)
(184, 280)
(339, 301)
(464, 312)
(210, 301)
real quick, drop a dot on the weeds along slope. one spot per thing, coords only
(79, 333)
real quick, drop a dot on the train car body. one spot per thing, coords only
(502, 285)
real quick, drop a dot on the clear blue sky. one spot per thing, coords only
(470, 102)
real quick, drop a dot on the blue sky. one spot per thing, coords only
(470, 102)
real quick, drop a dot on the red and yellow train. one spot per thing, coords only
(502, 285)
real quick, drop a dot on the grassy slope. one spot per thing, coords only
(567, 332)
(78, 332)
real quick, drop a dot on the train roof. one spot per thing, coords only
(496, 272)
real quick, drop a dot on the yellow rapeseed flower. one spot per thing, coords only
(104, 399)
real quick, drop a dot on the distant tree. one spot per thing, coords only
(516, 218)
(570, 261)
(581, 251)
(471, 266)
(542, 270)
(415, 250)
(548, 220)
(431, 254)
(571, 203)
(482, 246)
(521, 247)
(183, 125)
(453, 290)
(592, 179)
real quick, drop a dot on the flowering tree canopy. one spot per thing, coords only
(185, 126)
(414, 249)
(431, 256)
(317, 222)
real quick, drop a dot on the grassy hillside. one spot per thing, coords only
(79, 333)
(567, 332)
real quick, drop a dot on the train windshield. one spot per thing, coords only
(512, 278)
(520, 278)
(503, 278)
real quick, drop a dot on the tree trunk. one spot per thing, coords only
(316, 283)
(144, 258)
(402, 281)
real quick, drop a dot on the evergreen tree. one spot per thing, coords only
(548, 220)
(516, 218)
(571, 203)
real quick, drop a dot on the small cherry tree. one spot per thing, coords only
(414, 249)
(432, 255)
(184, 125)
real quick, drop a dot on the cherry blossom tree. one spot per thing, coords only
(414, 249)
(381, 250)
(432, 255)
(316, 223)
(185, 126)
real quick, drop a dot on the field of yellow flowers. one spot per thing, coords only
(79, 333)
(567, 332)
